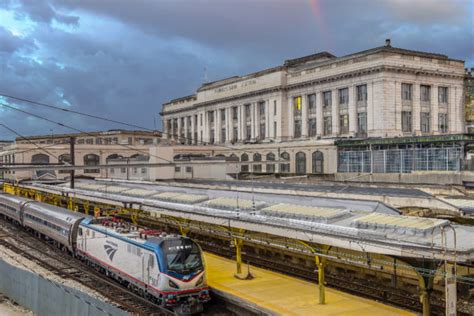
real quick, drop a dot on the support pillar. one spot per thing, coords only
(238, 243)
(321, 264)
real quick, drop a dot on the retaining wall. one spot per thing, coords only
(46, 297)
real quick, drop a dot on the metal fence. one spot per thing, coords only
(400, 160)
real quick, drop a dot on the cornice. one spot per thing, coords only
(327, 79)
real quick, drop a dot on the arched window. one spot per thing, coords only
(317, 159)
(41, 159)
(244, 168)
(91, 160)
(113, 156)
(285, 166)
(300, 160)
(64, 159)
(234, 157)
(257, 158)
(270, 167)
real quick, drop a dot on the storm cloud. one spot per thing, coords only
(122, 59)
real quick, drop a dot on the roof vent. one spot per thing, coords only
(387, 42)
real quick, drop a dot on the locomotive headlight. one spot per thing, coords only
(200, 281)
(173, 285)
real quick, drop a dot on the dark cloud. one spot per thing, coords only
(123, 59)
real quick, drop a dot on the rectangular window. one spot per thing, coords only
(362, 122)
(327, 125)
(425, 93)
(189, 169)
(262, 131)
(312, 127)
(248, 132)
(297, 129)
(261, 109)
(143, 170)
(212, 137)
(177, 169)
(235, 135)
(344, 96)
(425, 122)
(443, 95)
(275, 129)
(274, 107)
(223, 115)
(406, 121)
(297, 104)
(223, 135)
(343, 124)
(123, 170)
(235, 113)
(312, 103)
(362, 93)
(200, 120)
(112, 170)
(443, 122)
(327, 99)
(247, 111)
(407, 91)
(211, 116)
(195, 138)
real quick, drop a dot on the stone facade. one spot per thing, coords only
(90, 148)
(309, 102)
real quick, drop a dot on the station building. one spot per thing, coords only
(92, 148)
(294, 118)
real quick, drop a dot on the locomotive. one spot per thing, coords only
(167, 269)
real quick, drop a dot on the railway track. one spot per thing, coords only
(345, 283)
(49, 257)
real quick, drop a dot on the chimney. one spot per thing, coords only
(387, 42)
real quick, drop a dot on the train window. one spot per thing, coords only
(151, 261)
(93, 234)
(80, 231)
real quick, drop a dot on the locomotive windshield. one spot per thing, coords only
(182, 256)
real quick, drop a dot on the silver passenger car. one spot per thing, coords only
(10, 206)
(57, 223)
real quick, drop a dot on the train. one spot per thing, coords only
(168, 269)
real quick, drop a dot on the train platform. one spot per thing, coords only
(284, 295)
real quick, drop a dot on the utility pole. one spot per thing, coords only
(72, 142)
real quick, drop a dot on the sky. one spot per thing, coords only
(122, 59)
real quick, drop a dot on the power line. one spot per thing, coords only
(77, 130)
(29, 141)
(201, 142)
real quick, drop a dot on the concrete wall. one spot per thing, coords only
(45, 297)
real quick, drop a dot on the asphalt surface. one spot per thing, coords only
(329, 188)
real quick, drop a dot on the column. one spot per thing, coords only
(291, 118)
(335, 112)
(319, 113)
(178, 132)
(186, 130)
(304, 116)
(206, 127)
(217, 126)
(253, 115)
(229, 128)
(416, 108)
(434, 110)
(268, 128)
(352, 109)
(370, 108)
(242, 122)
(193, 128)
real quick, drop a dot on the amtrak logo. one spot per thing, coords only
(110, 250)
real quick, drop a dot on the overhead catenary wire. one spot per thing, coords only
(58, 108)
(78, 130)
(29, 141)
